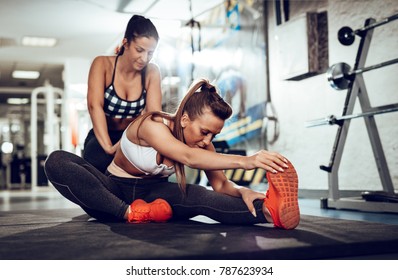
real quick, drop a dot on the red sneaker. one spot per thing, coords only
(142, 212)
(282, 198)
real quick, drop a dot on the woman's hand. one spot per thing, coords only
(270, 161)
(111, 150)
(249, 196)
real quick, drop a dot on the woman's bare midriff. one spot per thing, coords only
(121, 161)
(118, 124)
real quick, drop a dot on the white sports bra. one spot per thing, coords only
(143, 158)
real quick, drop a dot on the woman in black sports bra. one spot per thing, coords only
(119, 88)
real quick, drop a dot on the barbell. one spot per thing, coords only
(332, 119)
(346, 35)
(340, 75)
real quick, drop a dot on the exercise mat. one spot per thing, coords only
(71, 234)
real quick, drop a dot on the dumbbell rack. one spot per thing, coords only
(357, 89)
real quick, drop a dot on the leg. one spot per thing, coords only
(84, 185)
(202, 201)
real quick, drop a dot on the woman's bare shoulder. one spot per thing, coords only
(152, 69)
(104, 61)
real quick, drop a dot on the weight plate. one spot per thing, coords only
(346, 36)
(337, 76)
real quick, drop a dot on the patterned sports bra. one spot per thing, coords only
(119, 108)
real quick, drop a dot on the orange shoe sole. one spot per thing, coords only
(158, 211)
(282, 198)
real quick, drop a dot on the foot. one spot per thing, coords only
(142, 212)
(282, 198)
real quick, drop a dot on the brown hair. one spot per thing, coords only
(139, 26)
(200, 96)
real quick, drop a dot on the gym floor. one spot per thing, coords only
(48, 198)
(35, 222)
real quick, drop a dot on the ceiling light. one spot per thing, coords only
(17, 101)
(38, 41)
(7, 147)
(21, 74)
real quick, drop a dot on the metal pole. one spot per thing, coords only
(50, 118)
(33, 136)
(52, 142)
(375, 24)
(376, 66)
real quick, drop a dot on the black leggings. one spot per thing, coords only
(107, 197)
(94, 154)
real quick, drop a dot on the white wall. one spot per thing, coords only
(299, 101)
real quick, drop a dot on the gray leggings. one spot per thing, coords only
(107, 197)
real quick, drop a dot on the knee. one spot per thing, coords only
(52, 157)
(56, 161)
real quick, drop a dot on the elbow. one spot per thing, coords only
(92, 108)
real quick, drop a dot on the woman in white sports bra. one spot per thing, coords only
(157, 144)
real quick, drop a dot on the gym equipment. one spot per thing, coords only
(346, 35)
(331, 120)
(52, 127)
(340, 75)
(380, 196)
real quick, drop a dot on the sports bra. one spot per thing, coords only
(144, 158)
(119, 108)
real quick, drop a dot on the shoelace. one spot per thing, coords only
(140, 215)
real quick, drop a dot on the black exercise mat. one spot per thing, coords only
(70, 234)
